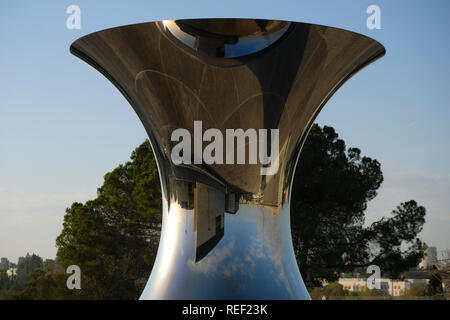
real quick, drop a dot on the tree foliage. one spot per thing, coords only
(48, 283)
(113, 238)
(332, 186)
(434, 286)
(366, 292)
(417, 290)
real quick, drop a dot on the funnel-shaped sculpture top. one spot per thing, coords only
(225, 74)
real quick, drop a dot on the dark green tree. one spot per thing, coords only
(434, 286)
(366, 292)
(25, 266)
(417, 290)
(393, 241)
(4, 264)
(332, 186)
(334, 289)
(5, 282)
(48, 283)
(113, 238)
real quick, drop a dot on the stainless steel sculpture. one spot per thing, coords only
(226, 228)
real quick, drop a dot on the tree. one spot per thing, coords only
(5, 282)
(332, 186)
(37, 281)
(316, 293)
(48, 283)
(366, 292)
(4, 264)
(418, 289)
(113, 238)
(393, 241)
(434, 286)
(25, 267)
(442, 270)
(334, 289)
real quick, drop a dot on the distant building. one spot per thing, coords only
(429, 258)
(387, 286)
(11, 273)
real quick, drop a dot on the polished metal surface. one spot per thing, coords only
(227, 38)
(226, 230)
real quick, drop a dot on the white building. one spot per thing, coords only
(11, 273)
(387, 286)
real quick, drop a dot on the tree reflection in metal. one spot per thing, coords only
(226, 229)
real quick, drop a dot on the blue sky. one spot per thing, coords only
(63, 126)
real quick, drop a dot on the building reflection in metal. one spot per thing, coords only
(226, 230)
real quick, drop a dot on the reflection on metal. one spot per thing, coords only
(225, 38)
(209, 209)
(226, 230)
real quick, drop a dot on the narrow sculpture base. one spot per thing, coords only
(255, 255)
